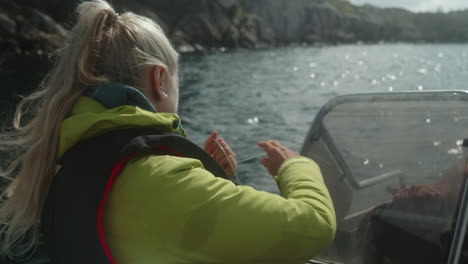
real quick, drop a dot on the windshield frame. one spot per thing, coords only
(318, 131)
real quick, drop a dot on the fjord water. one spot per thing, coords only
(274, 94)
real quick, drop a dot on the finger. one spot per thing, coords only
(218, 153)
(226, 146)
(228, 162)
(265, 145)
(273, 151)
(231, 157)
(211, 146)
(218, 150)
(213, 136)
(276, 144)
(228, 167)
(264, 142)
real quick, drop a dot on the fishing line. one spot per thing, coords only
(257, 156)
(262, 155)
(251, 158)
(230, 162)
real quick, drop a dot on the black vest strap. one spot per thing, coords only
(72, 217)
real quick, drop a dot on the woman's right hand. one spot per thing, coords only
(277, 154)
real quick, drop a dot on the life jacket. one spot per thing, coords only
(72, 219)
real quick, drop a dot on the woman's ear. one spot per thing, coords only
(157, 79)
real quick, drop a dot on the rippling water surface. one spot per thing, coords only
(274, 94)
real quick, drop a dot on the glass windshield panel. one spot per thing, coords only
(394, 165)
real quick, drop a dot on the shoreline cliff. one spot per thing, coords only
(39, 27)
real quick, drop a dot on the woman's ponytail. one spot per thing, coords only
(102, 46)
(95, 18)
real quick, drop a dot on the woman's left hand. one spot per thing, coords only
(215, 145)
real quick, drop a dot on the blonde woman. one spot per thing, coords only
(107, 175)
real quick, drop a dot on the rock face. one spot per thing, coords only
(25, 30)
(33, 26)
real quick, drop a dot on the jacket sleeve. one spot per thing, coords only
(208, 219)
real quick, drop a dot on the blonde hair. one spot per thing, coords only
(102, 46)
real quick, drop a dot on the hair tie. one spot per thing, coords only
(110, 20)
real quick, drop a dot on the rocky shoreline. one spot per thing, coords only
(38, 27)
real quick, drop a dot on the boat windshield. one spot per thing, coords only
(395, 166)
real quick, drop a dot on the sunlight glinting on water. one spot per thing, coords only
(274, 94)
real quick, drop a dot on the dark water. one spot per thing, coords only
(274, 94)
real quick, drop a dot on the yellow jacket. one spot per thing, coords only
(167, 209)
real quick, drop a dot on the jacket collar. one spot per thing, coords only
(112, 94)
(112, 106)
